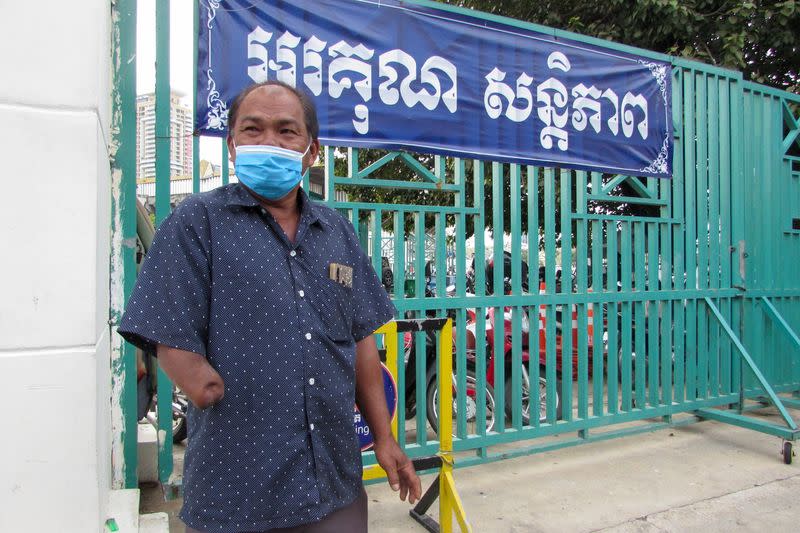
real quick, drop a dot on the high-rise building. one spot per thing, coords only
(180, 137)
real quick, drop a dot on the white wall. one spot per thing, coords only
(54, 230)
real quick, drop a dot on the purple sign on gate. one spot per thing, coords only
(362, 429)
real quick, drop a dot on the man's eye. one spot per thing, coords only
(288, 131)
(250, 128)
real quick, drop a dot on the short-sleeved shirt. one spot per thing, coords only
(222, 280)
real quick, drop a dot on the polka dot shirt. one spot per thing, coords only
(222, 280)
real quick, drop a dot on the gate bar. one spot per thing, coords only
(791, 402)
(759, 376)
(163, 191)
(749, 423)
(123, 453)
(773, 313)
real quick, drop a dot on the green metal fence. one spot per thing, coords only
(675, 296)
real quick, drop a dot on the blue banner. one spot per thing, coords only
(396, 75)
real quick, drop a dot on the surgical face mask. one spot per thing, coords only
(269, 171)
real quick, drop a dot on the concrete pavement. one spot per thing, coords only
(706, 477)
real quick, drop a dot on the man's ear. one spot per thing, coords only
(313, 153)
(231, 148)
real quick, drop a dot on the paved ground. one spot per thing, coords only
(706, 477)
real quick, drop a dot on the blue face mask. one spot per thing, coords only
(269, 171)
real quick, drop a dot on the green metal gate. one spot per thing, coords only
(770, 231)
(675, 296)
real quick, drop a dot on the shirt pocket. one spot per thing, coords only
(334, 305)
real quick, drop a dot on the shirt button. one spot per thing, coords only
(311, 381)
(311, 427)
(301, 293)
(308, 336)
(292, 253)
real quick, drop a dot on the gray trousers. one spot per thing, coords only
(352, 519)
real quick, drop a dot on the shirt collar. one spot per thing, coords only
(239, 196)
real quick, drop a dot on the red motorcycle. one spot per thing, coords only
(491, 385)
(491, 331)
(491, 382)
(430, 384)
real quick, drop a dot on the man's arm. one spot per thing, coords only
(193, 374)
(371, 401)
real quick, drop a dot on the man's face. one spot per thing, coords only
(273, 116)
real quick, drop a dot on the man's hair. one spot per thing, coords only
(309, 109)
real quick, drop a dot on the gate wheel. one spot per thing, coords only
(787, 453)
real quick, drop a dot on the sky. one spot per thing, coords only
(181, 67)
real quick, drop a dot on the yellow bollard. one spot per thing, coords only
(449, 501)
(389, 330)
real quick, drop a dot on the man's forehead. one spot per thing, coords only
(273, 95)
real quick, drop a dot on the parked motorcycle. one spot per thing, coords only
(491, 330)
(471, 370)
(491, 382)
(430, 385)
(148, 399)
(540, 317)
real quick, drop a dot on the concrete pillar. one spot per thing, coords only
(54, 229)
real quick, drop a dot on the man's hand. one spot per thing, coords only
(192, 374)
(399, 470)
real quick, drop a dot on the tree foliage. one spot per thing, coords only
(759, 38)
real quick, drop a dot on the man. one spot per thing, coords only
(261, 307)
